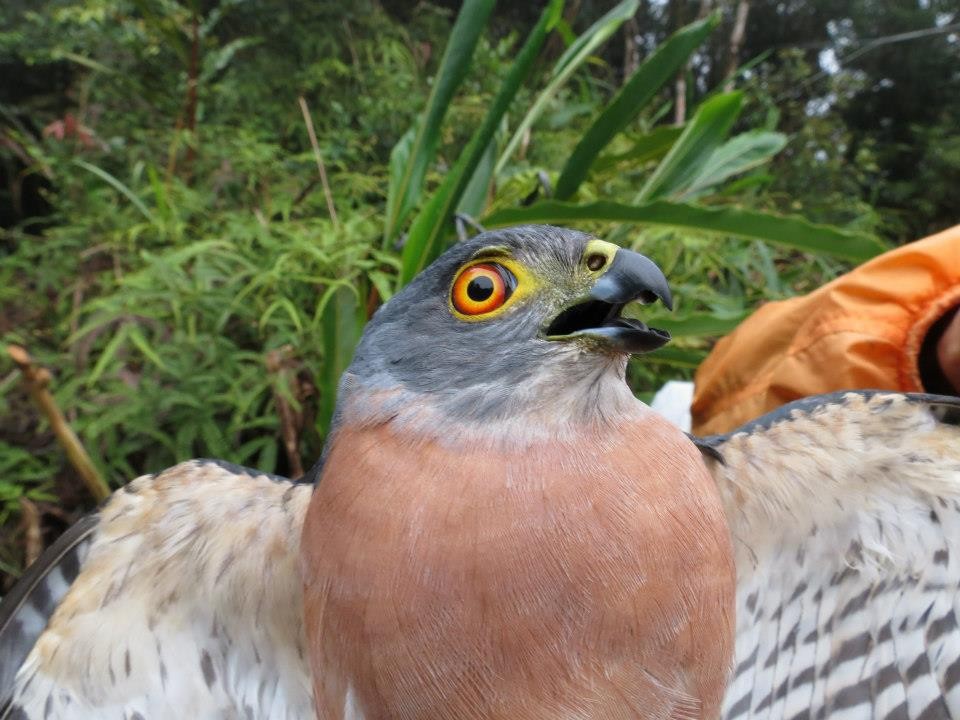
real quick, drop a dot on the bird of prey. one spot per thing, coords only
(498, 529)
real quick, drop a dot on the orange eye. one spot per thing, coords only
(481, 289)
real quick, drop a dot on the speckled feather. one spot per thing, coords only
(844, 511)
(188, 605)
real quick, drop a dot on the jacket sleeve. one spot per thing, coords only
(866, 329)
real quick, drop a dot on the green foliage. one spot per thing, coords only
(189, 281)
(629, 101)
(422, 245)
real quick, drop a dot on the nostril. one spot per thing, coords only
(596, 261)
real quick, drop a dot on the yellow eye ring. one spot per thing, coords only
(481, 289)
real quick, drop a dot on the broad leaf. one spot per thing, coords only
(788, 231)
(649, 146)
(737, 155)
(342, 324)
(474, 198)
(695, 324)
(690, 154)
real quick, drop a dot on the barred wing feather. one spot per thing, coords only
(845, 515)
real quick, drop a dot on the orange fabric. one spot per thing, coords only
(863, 330)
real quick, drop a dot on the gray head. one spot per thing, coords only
(510, 322)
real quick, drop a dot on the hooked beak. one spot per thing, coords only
(631, 277)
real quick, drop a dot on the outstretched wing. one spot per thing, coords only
(185, 602)
(845, 515)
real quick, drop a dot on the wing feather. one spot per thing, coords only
(25, 610)
(187, 605)
(845, 514)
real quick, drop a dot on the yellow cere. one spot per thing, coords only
(601, 247)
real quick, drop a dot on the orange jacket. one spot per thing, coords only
(863, 330)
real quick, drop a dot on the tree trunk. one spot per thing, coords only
(680, 84)
(736, 42)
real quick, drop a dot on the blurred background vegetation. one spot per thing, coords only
(202, 201)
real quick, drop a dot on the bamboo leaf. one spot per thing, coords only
(688, 156)
(109, 352)
(572, 58)
(788, 231)
(423, 244)
(137, 338)
(630, 100)
(410, 159)
(117, 185)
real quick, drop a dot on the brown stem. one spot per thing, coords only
(32, 537)
(373, 301)
(631, 50)
(736, 42)
(278, 365)
(193, 81)
(37, 380)
(320, 166)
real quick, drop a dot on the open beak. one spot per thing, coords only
(631, 277)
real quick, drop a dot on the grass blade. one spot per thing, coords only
(632, 97)
(411, 157)
(119, 186)
(572, 58)
(422, 244)
(341, 324)
(788, 231)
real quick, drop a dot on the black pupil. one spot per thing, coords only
(480, 288)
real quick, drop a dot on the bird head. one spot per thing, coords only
(511, 322)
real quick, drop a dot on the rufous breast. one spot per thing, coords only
(589, 577)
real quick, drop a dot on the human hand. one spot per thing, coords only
(948, 352)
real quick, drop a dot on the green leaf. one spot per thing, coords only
(677, 357)
(572, 58)
(474, 197)
(690, 154)
(341, 323)
(108, 354)
(137, 338)
(398, 166)
(649, 146)
(423, 244)
(409, 160)
(119, 186)
(696, 324)
(630, 100)
(788, 231)
(737, 155)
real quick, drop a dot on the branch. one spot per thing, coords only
(37, 380)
